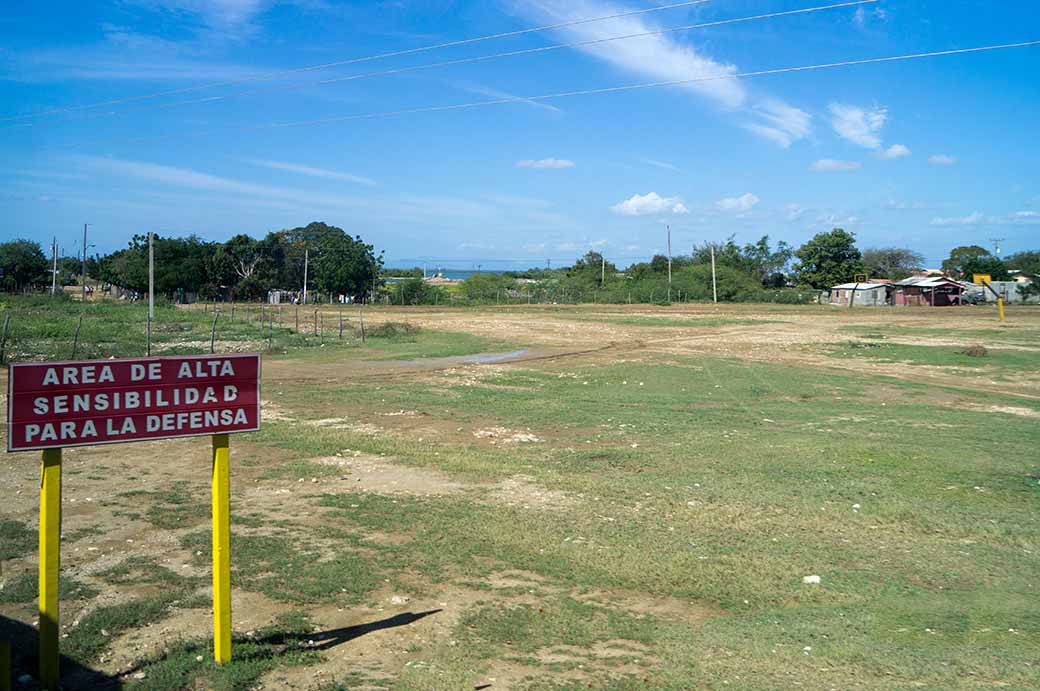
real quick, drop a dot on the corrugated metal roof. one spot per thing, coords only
(931, 282)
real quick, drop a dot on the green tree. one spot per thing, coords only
(968, 260)
(828, 259)
(1028, 262)
(487, 286)
(346, 265)
(769, 265)
(23, 264)
(895, 263)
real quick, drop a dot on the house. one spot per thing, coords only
(931, 291)
(865, 294)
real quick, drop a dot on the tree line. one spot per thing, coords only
(245, 268)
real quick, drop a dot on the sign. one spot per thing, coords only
(61, 404)
(981, 279)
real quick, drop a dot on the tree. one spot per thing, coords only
(590, 269)
(1027, 262)
(487, 286)
(829, 259)
(345, 265)
(769, 265)
(968, 260)
(894, 263)
(23, 264)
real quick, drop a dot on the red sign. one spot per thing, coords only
(59, 404)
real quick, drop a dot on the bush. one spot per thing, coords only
(393, 330)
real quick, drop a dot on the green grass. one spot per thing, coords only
(15, 539)
(743, 480)
(940, 356)
(178, 667)
(25, 587)
(289, 569)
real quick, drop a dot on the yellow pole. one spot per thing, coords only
(50, 564)
(221, 549)
(1000, 308)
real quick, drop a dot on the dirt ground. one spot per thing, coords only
(102, 524)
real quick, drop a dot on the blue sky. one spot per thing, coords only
(929, 153)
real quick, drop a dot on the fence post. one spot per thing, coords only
(75, 339)
(270, 332)
(213, 331)
(3, 339)
(341, 323)
(315, 322)
(297, 319)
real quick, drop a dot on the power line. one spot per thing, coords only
(463, 61)
(353, 61)
(581, 92)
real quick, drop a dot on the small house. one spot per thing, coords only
(865, 294)
(930, 291)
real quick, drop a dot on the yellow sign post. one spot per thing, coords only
(50, 566)
(180, 396)
(221, 549)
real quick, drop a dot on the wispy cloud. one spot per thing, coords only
(779, 122)
(858, 125)
(977, 218)
(650, 204)
(660, 58)
(972, 219)
(313, 172)
(664, 165)
(942, 160)
(831, 165)
(191, 179)
(741, 204)
(546, 163)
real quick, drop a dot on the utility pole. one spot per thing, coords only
(84, 267)
(151, 275)
(54, 267)
(306, 261)
(669, 263)
(714, 286)
(996, 245)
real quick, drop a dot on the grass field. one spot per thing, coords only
(632, 502)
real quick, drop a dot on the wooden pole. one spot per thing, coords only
(75, 339)
(3, 339)
(50, 566)
(213, 332)
(221, 549)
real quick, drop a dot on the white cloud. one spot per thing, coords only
(779, 122)
(218, 14)
(972, 219)
(894, 151)
(830, 165)
(546, 163)
(901, 206)
(979, 219)
(314, 172)
(741, 204)
(858, 125)
(660, 58)
(650, 204)
(942, 160)
(661, 164)
(793, 212)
